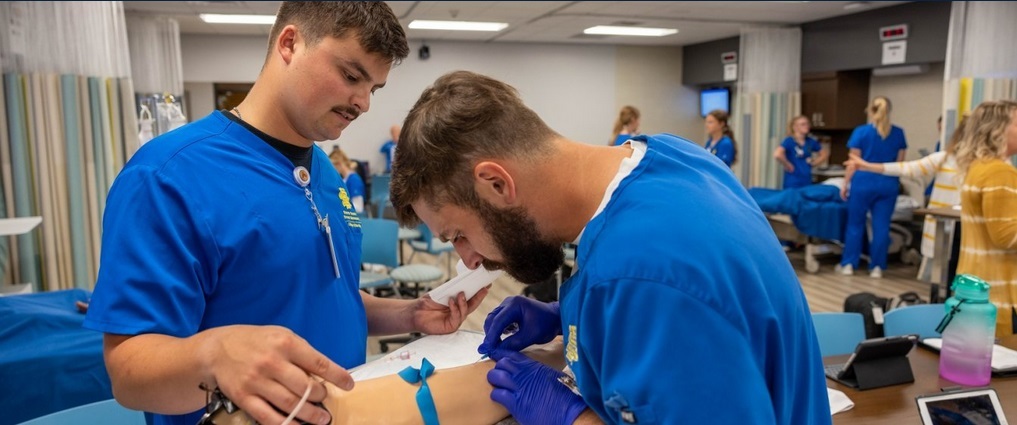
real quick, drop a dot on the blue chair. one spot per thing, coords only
(838, 333)
(107, 412)
(379, 192)
(380, 246)
(914, 319)
(429, 244)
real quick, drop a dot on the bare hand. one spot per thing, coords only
(265, 368)
(435, 319)
(855, 162)
(844, 192)
(789, 167)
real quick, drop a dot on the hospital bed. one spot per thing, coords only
(815, 216)
(48, 362)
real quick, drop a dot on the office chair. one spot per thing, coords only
(914, 319)
(379, 193)
(106, 412)
(380, 244)
(838, 333)
(427, 243)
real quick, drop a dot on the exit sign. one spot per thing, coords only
(893, 32)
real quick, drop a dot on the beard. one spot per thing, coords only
(527, 257)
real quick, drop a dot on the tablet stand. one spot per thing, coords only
(883, 372)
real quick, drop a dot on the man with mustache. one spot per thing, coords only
(231, 251)
(683, 308)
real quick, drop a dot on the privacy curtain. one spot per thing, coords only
(981, 63)
(68, 127)
(769, 95)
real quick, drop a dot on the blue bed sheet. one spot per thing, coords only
(48, 362)
(816, 210)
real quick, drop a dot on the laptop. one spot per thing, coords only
(872, 355)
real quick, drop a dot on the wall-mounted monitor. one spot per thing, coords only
(718, 98)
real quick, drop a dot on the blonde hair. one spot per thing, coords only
(625, 117)
(985, 135)
(879, 114)
(791, 124)
(339, 157)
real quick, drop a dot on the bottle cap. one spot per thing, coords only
(970, 287)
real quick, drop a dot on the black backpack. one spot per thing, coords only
(872, 308)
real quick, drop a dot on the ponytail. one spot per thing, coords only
(879, 112)
(625, 118)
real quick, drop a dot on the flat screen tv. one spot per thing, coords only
(711, 99)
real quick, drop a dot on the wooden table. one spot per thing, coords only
(944, 243)
(896, 404)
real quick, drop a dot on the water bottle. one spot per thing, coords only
(968, 330)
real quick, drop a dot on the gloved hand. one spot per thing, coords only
(531, 391)
(537, 323)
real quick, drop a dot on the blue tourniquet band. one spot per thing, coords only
(425, 402)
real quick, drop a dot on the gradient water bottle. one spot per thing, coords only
(969, 331)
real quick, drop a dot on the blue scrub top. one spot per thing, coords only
(621, 139)
(355, 185)
(723, 149)
(206, 226)
(876, 149)
(704, 323)
(388, 148)
(798, 156)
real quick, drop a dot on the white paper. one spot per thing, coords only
(839, 402)
(1002, 358)
(730, 72)
(468, 282)
(443, 351)
(894, 52)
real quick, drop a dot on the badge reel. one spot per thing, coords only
(303, 178)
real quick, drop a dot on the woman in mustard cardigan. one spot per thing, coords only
(989, 206)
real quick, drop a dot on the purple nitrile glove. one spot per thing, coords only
(534, 322)
(531, 391)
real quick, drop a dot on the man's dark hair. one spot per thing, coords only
(373, 23)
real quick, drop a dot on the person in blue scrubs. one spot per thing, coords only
(867, 192)
(230, 259)
(354, 183)
(720, 140)
(798, 152)
(626, 125)
(389, 147)
(707, 306)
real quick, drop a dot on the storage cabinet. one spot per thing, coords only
(836, 99)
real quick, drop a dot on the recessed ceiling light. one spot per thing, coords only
(237, 19)
(856, 5)
(457, 25)
(640, 31)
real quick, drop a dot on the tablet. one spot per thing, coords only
(978, 406)
(874, 349)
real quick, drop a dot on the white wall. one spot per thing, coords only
(200, 99)
(917, 103)
(571, 86)
(649, 78)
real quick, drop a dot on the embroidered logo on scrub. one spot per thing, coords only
(345, 197)
(571, 348)
(351, 217)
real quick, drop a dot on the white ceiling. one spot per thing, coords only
(543, 21)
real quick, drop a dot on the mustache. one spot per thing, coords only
(348, 110)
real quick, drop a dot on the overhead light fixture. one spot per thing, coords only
(638, 31)
(457, 25)
(856, 5)
(900, 70)
(237, 19)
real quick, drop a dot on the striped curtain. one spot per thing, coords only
(978, 66)
(766, 116)
(769, 95)
(68, 110)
